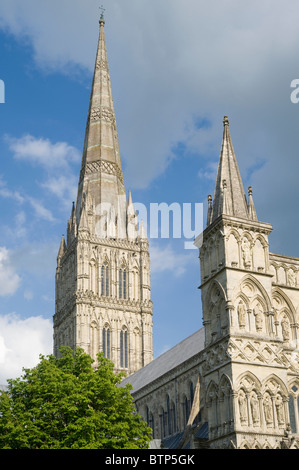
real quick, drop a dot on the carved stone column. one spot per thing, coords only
(270, 316)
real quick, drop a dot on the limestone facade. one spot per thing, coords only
(247, 367)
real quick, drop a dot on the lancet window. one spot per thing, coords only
(122, 283)
(105, 280)
(106, 340)
(124, 348)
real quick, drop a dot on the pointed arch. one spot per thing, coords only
(232, 248)
(260, 237)
(135, 283)
(284, 315)
(214, 310)
(248, 382)
(225, 380)
(281, 274)
(225, 399)
(293, 387)
(249, 278)
(279, 293)
(234, 232)
(259, 246)
(122, 277)
(273, 384)
(247, 234)
(245, 445)
(212, 391)
(212, 286)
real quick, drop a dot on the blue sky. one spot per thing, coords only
(176, 69)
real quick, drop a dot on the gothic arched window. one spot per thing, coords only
(294, 409)
(124, 348)
(105, 284)
(151, 423)
(186, 410)
(172, 418)
(122, 283)
(106, 341)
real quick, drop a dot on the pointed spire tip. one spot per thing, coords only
(225, 121)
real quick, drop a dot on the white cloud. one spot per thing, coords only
(33, 22)
(7, 193)
(28, 295)
(21, 343)
(53, 158)
(64, 187)
(20, 229)
(9, 279)
(43, 152)
(38, 258)
(209, 172)
(206, 59)
(40, 211)
(167, 259)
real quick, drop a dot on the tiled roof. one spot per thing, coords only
(172, 442)
(172, 358)
(202, 432)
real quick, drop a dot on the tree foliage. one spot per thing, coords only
(69, 403)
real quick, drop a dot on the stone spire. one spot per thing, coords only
(101, 176)
(229, 196)
(103, 300)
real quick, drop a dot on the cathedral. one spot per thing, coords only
(233, 384)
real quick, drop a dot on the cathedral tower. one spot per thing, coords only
(250, 320)
(103, 300)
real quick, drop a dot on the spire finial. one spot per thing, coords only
(225, 121)
(251, 208)
(210, 206)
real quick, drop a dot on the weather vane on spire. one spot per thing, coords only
(102, 10)
(102, 21)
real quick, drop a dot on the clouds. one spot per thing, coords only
(56, 160)
(169, 64)
(21, 342)
(43, 152)
(9, 279)
(42, 25)
(167, 258)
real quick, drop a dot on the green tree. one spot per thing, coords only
(69, 403)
